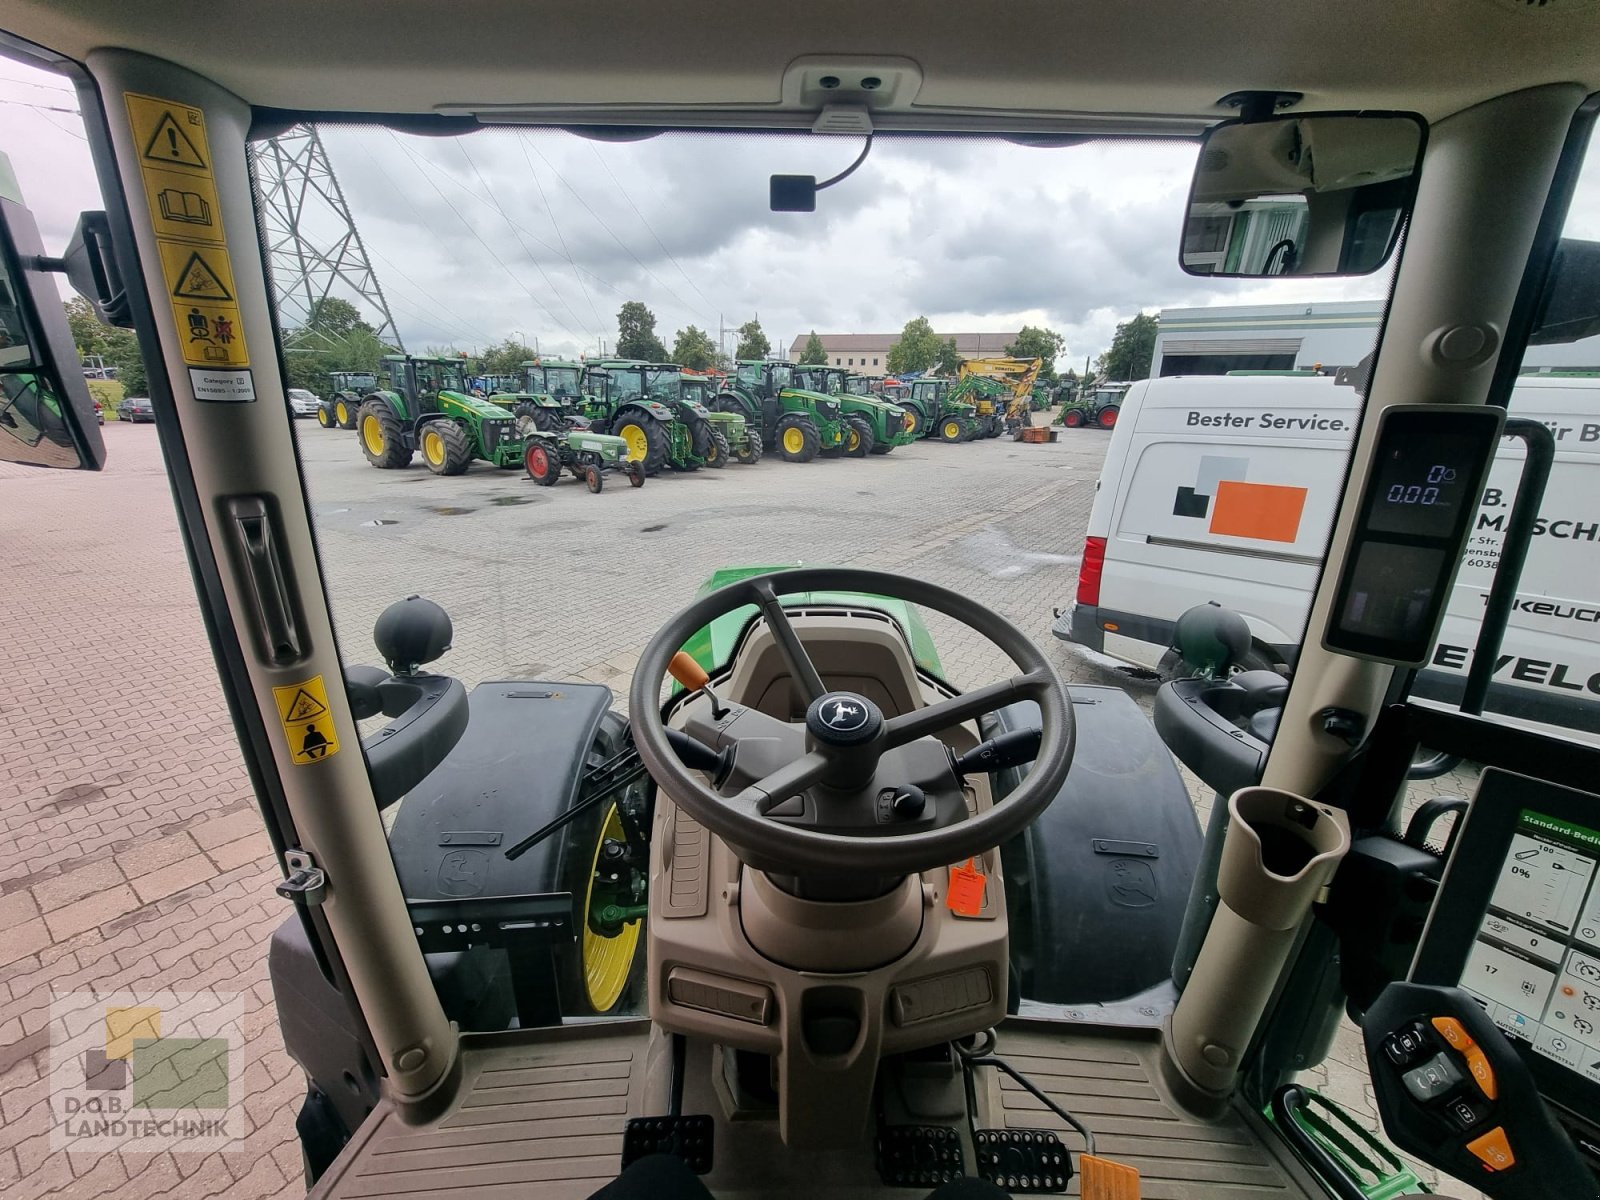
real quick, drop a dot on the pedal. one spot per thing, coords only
(919, 1155)
(1022, 1161)
(688, 1138)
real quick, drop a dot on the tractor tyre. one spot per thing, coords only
(750, 452)
(1073, 418)
(324, 417)
(952, 429)
(544, 468)
(530, 416)
(382, 438)
(344, 416)
(798, 440)
(593, 480)
(914, 422)
(635, 474)
(598, 974)
(1107, 417)
(647, 441)
(710, 445)
(446, 448)
(859, 439)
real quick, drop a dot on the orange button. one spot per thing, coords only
(1454, 1032)
(1493, 1150)
(1478, 1064)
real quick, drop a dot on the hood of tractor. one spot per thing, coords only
(610, 448)
(459, 404)
(713, 645)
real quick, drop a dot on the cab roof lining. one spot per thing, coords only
(1159, 67)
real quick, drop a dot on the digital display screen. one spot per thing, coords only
(1421, 485)
(1534, 964)
(1390, 593)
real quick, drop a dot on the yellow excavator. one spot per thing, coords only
(1018, 375)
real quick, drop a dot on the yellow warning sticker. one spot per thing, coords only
(200, 282)
(307, 720)
(175, 162)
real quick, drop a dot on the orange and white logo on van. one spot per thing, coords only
(1233, 507)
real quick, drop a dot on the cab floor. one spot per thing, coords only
(540, 1115)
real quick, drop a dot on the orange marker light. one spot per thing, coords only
(686, 671)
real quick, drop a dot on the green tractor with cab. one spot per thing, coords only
(874, 425)
(338, 410)
(547, 396)
(642, 403)
(427, 407)
(799, 424)
(744, 441)
(933, 413)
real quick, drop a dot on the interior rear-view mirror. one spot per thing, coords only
(46, 413)
(1319, 194)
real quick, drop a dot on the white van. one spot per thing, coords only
(1223, 488)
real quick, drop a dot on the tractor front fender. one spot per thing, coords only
(647, 408)
(394, 400)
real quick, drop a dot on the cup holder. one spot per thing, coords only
(1279, 851)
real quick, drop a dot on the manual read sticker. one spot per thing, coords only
(307, 721)
(223, 387)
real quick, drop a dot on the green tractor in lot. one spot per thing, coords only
(874, 425)
(800, 424)
(743, 439)
(427, 407)
(338, 410)
(933, 413)
(548, 396)
(642, 403)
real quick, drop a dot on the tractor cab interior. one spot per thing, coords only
(848, 892)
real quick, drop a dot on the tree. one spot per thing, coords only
(949, 360)
(505, 358)
(336, 319)
(919, 348)
(636, 333)
(815, 353)
(752, 342)
(1132, 348)
(693, 348)
(119, 347)
(1041, 343)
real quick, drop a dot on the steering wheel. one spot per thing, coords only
(849, 748)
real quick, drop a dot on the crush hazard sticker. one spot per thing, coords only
(307, 721)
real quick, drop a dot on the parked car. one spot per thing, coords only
(136, 408)
(302, 403)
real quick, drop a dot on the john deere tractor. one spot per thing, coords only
(799, 423)
(338, 411)
(427, 407)
(873, 425)
(547, 396)
(642, 403)
(743, 439)
(932, 413)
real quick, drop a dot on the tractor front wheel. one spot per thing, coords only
(1108, 417)
(593, 479)
(913, 422)
(635, 474)
(952, 430)
(343, 415)
(1073, 418)
(647, 441)
(382, 439)
(543, 466)
(711, 445)
(798, 440)
(859, 439)
(445, 447)
(324, 417)
(750, 452)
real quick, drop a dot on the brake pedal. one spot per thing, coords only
(919, 1155)
(1022, 1161)
(688, 1138)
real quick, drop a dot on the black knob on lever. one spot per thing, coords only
(1012, 749)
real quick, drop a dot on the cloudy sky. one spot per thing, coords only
(545, 235)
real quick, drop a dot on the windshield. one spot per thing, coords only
(782, 375)
(664, 384)
(561, 381)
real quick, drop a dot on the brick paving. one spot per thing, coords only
(131, 851)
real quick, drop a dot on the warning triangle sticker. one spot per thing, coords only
(169, 144)
(305, 707)
(197, 281)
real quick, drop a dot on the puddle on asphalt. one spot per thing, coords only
(376, 521)
(991, 551)
(510, 501)
(449, 510)
(652, 529)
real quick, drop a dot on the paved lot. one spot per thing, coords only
(131, 853)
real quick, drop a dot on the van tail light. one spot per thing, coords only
(1094, 563)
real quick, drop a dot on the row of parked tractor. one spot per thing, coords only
(591, 418)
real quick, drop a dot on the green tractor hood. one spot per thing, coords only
(713, 645)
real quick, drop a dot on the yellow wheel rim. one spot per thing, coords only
(638, 442)
(607, 961)
(343, 413)
(433, 447)
(372, 434)
(952, 430)
(911, 421)
(322, 418)
(793, 440)
(854, 441)
(712, 453)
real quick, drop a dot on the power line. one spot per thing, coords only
(533, 174)
(648, 228)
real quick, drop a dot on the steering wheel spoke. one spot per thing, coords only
(947, 713)
(788, 780)
(801, 669)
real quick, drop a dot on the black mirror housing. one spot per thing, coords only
(794, 193)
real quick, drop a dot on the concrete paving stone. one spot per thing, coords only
(245, 851)
(24, 940)
(94, 910)
(17, 907)
(145, 857)
(67, 888)
(231, 827)
(175, 878)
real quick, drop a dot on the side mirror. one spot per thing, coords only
(1320, 194)
(46, 413)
